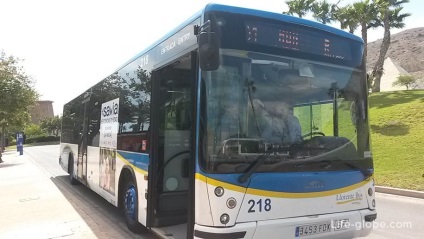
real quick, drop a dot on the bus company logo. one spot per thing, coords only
(353, 198)
(110, 110)
(314, 185)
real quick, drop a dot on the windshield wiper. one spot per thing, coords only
(253, 166)
(259, 161)
(330, 162)
(327, 163)
(352, 165)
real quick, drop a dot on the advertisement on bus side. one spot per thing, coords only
(108, 140)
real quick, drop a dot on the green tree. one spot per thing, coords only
(17, 94)
(324, 12)
(347, 17)
(363, 14)
(390, 16)
(405, 80)
(366, 13)
(51, 125)
(141, 90)
(299, 7)
(34, 130)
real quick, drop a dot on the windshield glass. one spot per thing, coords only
(288, 109)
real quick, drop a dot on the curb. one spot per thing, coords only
(400, 192)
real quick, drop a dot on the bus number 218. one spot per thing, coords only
(260, 205)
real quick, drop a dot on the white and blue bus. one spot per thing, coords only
(238, 124)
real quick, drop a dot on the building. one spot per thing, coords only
(390, 73)
(41, 110)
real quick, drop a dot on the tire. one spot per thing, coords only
(72, 179)
(130, 206)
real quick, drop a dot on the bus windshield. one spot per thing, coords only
(284, 110)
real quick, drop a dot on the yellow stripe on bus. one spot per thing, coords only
(348, 201)
(268, 193)
(131, 165)
(215, 182)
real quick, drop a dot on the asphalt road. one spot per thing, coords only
(398, 217)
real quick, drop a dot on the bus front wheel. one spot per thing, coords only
(130, 206)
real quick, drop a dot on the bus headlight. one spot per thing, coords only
(224, 218)
(231, 203)
(219, 191)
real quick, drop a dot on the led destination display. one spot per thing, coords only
(295, 38)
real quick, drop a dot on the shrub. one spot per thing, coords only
(33, 130)
(42, 139)
(405, 80)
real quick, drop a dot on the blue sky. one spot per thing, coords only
(69, 46)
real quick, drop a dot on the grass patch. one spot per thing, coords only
(397, 126)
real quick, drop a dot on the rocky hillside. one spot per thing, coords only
(406, 49)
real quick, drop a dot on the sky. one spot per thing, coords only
(69, 45)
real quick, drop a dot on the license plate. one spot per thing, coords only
(342, 224)
(313, 229)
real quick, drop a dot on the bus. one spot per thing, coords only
(240, 123)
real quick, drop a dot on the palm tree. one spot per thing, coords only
(324, 12)
(390, 17)
(366, 13)
(300, 7)
(362, 14)
(347, 17)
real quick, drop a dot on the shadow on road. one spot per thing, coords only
(5, 165)
(91, 206)
(391, 128)
(386, 99)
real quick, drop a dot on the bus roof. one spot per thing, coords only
(281, 17)
(252, 12)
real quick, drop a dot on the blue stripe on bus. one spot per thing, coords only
(295, 182)
(139, 160)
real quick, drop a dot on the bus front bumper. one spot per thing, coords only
(336, 225)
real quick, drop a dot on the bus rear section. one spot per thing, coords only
(283, 134)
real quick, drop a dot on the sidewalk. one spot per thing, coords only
(32, 206)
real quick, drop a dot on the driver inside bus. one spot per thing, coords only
(278, 123)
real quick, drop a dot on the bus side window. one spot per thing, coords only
(134, 108)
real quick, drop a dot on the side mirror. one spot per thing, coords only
(208, 48)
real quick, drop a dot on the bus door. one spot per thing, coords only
(82, 144)
(172, 164)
